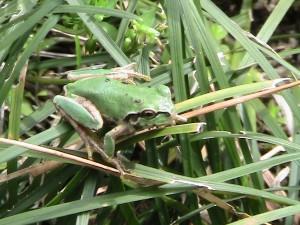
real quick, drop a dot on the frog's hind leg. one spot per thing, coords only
(81, 110)
(127, 74)
(83, 117)
(79, 114)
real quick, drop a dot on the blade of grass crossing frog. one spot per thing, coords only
(178, 129)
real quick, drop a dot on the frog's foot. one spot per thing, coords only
(109, 159)
(118, 165)
(124, 162)
(89, 151)
(128, 73)
(127, 76)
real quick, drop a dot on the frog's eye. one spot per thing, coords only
(148, 113)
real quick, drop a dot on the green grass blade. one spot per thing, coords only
(36, 117)
(88, 191)
(35, 18)
(193, 18)
(103, 38)
(223, 94)
(41, 138)
(31, 47)
(239, 35)
(86, 204)
(124, 23)
(94, 10)
(269, 216)
(271, 24)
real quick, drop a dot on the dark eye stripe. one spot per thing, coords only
(133, 117)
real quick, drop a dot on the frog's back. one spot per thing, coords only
(114, 98)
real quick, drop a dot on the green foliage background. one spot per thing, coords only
(204, 56)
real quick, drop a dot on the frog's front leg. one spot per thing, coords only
(111, 136)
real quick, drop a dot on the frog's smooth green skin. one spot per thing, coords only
(91, 101)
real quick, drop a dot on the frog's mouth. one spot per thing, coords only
(143, 120)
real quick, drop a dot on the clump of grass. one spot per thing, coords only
(208, 60)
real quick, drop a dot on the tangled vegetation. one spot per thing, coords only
(232, 69)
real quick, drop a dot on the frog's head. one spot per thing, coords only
(157, 110)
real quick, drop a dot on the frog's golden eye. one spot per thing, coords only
(148, 113)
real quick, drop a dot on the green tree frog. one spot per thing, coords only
(94, 101)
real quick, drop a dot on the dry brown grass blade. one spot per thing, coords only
(62, 155)
(235, 101)
(77, 160)
(34, 171)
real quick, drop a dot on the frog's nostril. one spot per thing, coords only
(138, 101)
